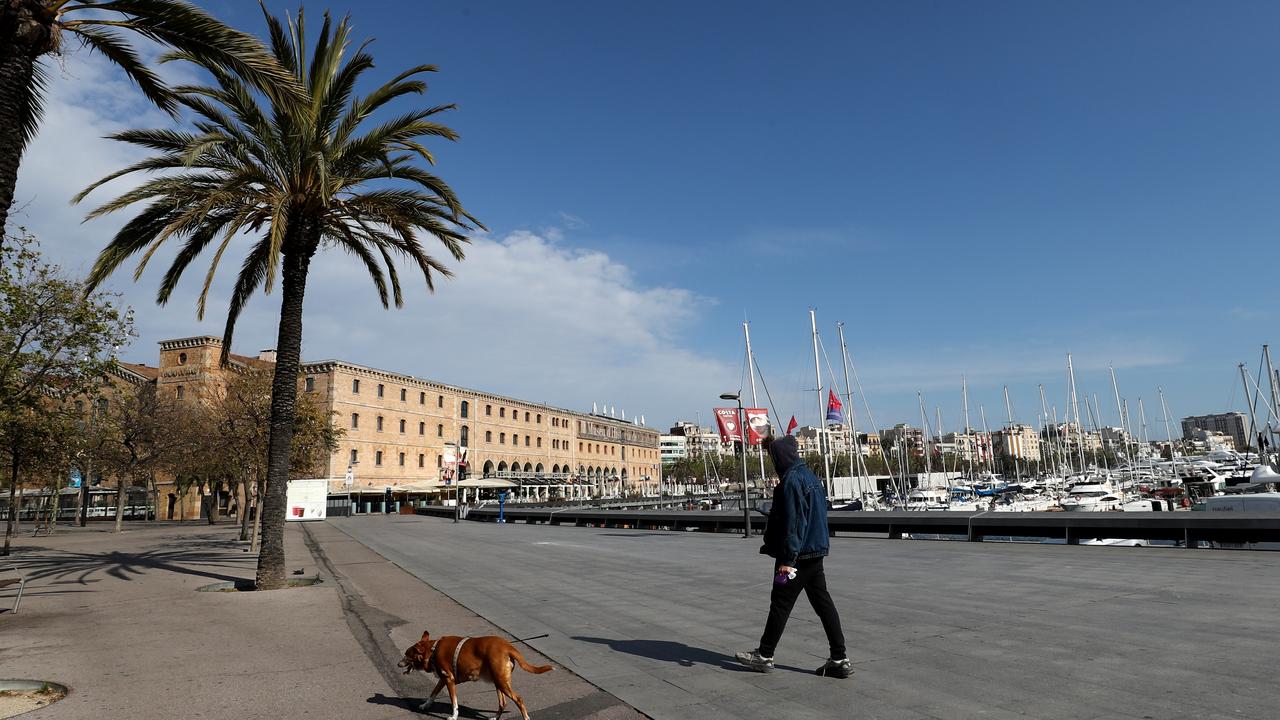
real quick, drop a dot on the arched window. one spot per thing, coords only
(528, 467)
(488, 436)
(539, 418)
(502, 438)
(488, 409)
(555, 468)
(539, 442)
(502, 466)
(422, 428)
(462, 409)
(515, 439)
(488, 468)
(502, 412)
(526, 416)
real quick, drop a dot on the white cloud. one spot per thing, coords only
(527, 314)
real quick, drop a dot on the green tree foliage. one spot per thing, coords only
(298, 178)
(56, 342)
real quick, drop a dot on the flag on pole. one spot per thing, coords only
(835, 411)
(792, 425)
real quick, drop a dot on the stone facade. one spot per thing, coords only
(397, 426)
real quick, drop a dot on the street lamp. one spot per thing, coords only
(742, 434)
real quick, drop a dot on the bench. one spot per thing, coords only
(17, 579)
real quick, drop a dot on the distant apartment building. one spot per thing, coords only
(1206, 441)
(1020, 441)
(972, 446)
(700, 441)
(673, 448)
(903, 437)
(1235, 424)
(835, 438)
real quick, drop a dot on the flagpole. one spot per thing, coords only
(822, 415)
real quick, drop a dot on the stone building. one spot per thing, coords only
(397, 427)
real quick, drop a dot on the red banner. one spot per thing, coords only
(727, 419)
(757, 425)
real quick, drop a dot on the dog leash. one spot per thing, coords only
(535, 637)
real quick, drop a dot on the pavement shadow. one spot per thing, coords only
(676, 652)
(441, 707)
(81, 567)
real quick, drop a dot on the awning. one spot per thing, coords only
(483, 482)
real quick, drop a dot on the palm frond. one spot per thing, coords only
(115, 48)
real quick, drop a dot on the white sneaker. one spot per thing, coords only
(754, 660)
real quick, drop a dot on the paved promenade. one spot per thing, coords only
(117, 619)
(935, 629)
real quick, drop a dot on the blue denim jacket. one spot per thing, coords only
(797, 528)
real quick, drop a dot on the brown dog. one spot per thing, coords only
(457, 659)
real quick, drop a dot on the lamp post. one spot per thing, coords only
(742, 433)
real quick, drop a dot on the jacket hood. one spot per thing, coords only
(785, 453)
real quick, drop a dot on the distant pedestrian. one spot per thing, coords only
(796, 536)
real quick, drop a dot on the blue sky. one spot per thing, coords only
(973, 188)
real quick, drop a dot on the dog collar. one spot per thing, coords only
(456, 652)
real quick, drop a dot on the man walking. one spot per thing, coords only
(797, 538)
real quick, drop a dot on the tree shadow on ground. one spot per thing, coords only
(441, 707)
(82, 567)
(676, 652)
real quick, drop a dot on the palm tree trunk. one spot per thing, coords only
(284, 396)
(21, 40)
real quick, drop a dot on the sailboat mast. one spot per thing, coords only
(1047, 434)
(924, 441)
(982, 411)
(1253, 411)
(1173, 452)
(751, 369)
(1142, 429)
(1275, 402)
(822, 416)
(1008, 408)
(1075, 408)
(968, 433)
(855, 446)
(1115, 388)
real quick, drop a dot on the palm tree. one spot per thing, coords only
(297, 180)
(33, 30)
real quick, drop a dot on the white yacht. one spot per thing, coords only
(1095, 497)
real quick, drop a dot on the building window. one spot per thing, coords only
(464, 436)
(526, 441)
(526, 417)
(379, 423)
(502, 412)
(380, 389)
(555, 422)
(579, 447)
(422, 428)
(440, 430)
(488, 436)
(462, 409)
(355, 458)
(539, 442)
(182, 358)
(439, 461)
(377, 458)
(355, 420)
(310, 384)
(488, 409)
(515, 439)
(440, 401)
(539, 418)
(402, 426)
(422, 460)
(401, 459)
(180, 392)
(403, 394)
(355, 386)
(502, 438)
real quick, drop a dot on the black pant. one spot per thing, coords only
(811, 578)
